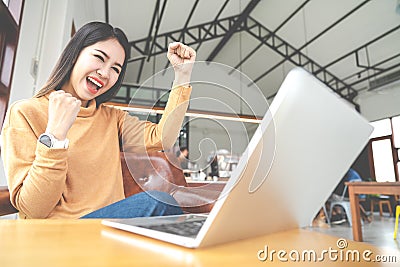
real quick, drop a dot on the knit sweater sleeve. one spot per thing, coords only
(36, 174)
(141, 136)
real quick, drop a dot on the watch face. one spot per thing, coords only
(45, 140)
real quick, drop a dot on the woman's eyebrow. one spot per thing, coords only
(107, 56)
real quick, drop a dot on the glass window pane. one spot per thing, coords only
(7, 64)
(122, 91)
(381, 128)
(383, 161)
(164, 97)
(396, 131)
(142, 94)
(398, 167)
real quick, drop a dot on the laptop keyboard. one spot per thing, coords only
(188, 228)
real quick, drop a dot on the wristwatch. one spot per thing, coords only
(50, 141)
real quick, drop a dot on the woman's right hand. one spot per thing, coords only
(63, 110)
(182, 58)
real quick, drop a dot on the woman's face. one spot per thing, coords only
(96, 70)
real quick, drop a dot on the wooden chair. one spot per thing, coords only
(153, 171)
(381, 201)
(5, 203)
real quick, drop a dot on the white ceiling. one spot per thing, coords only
(345, 33)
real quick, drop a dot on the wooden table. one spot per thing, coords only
(87, 243)
(356, 188)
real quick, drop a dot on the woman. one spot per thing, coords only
(61, 147)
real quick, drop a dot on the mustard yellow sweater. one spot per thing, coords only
(69, 183)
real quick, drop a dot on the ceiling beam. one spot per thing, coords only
(267, 37)
(354, 54)
(149, 37)
(181, 36)
(394, 29)
(216, 29)
(159, 18)
(192, 35)
(215, 19)
(185, 27)
(310, 41)
(106, 9)
(377, 72)
(296, 57)
(235, 27)
(153, 20)
(291, 15)
(334, 24)
(375, 67)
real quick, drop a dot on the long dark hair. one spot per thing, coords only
(87, 35)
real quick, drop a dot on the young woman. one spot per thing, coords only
(61, 148)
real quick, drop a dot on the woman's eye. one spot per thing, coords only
(116, 69)
(99, 57)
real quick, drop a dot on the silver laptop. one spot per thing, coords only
(303, 147)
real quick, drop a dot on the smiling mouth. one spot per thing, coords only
(94, 83)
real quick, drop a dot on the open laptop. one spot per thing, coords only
(303, 147)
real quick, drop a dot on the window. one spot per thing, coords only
(381, 128)
(396, 131)
(398, 167)
(383, 160)
(7, 63)
(10, 17)
(385, 147)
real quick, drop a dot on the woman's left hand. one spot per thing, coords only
(181, 58)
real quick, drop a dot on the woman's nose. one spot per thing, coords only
(103, 72)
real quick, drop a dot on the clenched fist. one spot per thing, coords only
(181, 58)
(63, 109)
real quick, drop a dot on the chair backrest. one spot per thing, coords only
(344, 192)
(150, 171)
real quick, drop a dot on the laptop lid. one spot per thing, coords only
(317, 137)
(305, 144)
